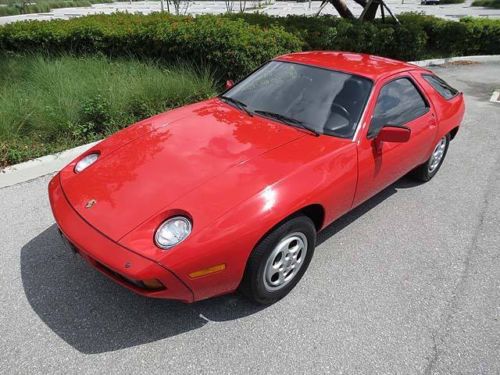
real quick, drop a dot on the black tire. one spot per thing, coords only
(424, 172)
(253, 285)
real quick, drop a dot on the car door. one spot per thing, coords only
(399, 101)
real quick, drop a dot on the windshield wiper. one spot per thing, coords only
(239, 104)
(289, 121)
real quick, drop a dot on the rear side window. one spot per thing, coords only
(440, 86)
(399, 102)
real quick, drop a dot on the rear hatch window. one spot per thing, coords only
(443, 88)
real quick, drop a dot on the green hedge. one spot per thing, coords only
(451, 1)
(418, 37)
(235, 44)
(43, 6)
(233, 47)
(495, 4)
(327, 32)
(470, 36)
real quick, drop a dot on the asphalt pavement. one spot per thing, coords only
(275, 8)
(408, 283)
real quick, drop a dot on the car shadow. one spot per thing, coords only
(329, 231)
(95, 315)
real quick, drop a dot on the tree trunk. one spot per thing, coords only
(361, 2)
(342, 9)
(371, 12)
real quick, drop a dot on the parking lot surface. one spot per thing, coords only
(408, 283)
(277, 8)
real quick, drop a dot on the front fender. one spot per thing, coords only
(329, 181)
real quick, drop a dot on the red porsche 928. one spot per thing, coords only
(230, 193)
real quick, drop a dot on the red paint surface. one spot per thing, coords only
(235, 176)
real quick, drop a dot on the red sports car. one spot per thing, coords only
(230, 193)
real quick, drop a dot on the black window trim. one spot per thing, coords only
(441, 95)
(419, 90)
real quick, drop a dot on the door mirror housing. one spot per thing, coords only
(398, 134)
(229, 84)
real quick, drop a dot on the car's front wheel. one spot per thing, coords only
(429, 169)
(279, 261)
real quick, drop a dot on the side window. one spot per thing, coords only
(440, 86)
(399, 102)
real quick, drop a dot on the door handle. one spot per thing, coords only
(378, 145)
(432, 121)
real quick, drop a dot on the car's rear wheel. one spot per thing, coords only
(429, 169)
(279, 261)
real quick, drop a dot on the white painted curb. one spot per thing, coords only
(39, 167)
(52, 163)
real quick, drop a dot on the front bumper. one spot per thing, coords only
(110, 258)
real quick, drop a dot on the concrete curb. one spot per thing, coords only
(52, 163)
(447, 60)
(39, 167)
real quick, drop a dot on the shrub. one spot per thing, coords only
(419, 36)
(470, 36)
(482, 36)
(234, 44)
(96, 114)
(8, 11)
(451, 1)
(486, 3)
(233, 47)
(43, 6)
(404, 42)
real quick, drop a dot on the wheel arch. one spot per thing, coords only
(453, 132)
(315, 212)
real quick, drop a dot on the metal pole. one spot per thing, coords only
(162, 7)
(310, 4)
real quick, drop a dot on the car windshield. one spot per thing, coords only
(325, 101)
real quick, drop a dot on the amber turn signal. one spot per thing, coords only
(207, 271)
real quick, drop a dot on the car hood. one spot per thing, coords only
(174, 154)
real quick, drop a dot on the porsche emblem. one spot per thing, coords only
(90, 203)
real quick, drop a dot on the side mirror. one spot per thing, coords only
(397, 134)
(229, 84)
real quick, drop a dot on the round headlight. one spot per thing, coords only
(86, 162)
(172, 232)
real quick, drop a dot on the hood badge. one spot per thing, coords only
(90, 203)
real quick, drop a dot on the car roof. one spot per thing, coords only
(370, 66)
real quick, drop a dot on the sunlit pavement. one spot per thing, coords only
(406, 284)
(281, 8)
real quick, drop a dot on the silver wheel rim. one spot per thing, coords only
(285, 261)
(437, 154)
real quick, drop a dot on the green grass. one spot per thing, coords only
(49, 104)
(42, 6)
(486, 3)
(451, 1)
